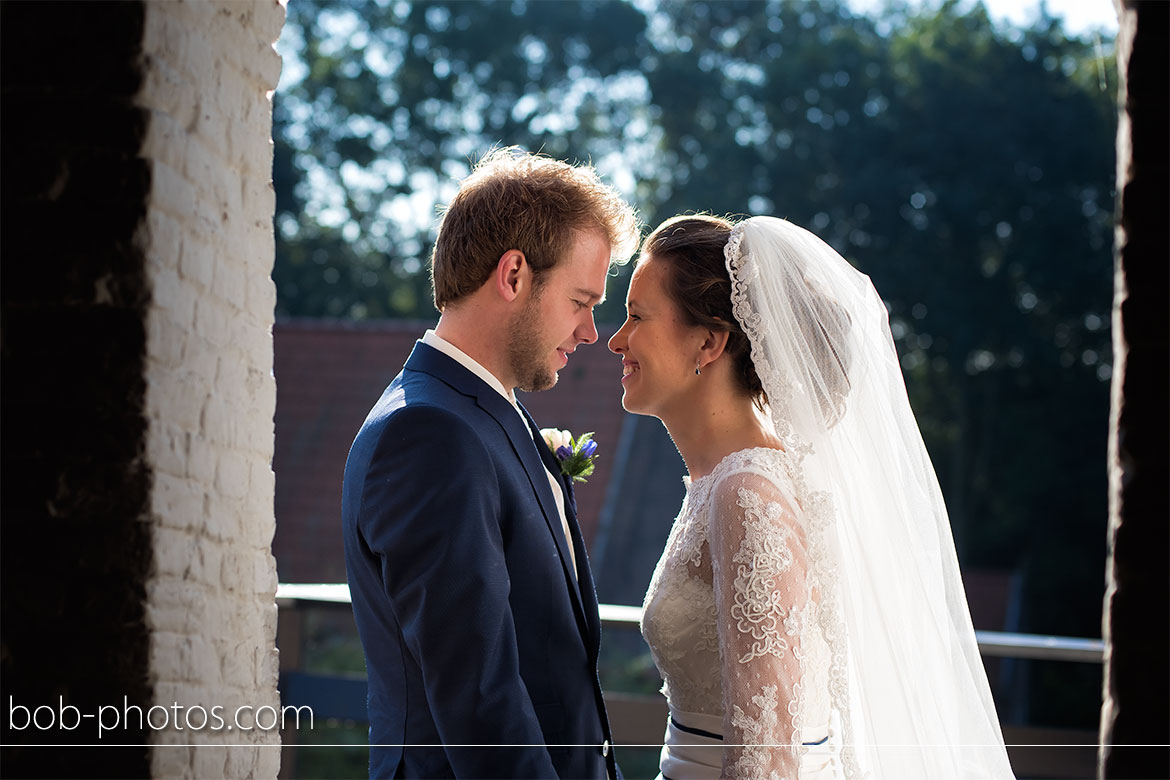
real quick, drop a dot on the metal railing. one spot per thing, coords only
(637, 719)
(1000, 644)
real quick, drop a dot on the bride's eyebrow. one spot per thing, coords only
(632, 304)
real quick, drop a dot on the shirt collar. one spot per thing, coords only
(432, 339)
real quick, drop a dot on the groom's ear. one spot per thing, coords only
(512, 275)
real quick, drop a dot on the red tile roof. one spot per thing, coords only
(329, 374)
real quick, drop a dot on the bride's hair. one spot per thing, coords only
(691, 249)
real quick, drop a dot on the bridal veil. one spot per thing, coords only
(906, 680)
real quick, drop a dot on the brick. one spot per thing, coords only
(256, 522)
(200, 360)
(170, 656)
(170, 191)
(172, 762)
(210, 761)
(271, 614)
(250, 148)
(265, 395)
(261, 479)
(232, 573)
(235, 93)
(162, 35)
(240, 762)
(261, 297)
(231, 474)
(211, 396)
(259, 196)
(219, 422)
(229, 283)
(222, 517)
(201, 166)
(180, 398)
(201, 459)
(164, 239)
(164, 340)
(236, 664)
(268, 20)
(166, 92)
(207, 562)
(266, 667)
(213, 321)
(264, 574)
(204, 221)
(197, 260)
(166, 449)
(231, 374)
(177, 501)
(172, 605)
(193, 53)
(173, 295)
(165, 139)
(172, 552)
(257, 433)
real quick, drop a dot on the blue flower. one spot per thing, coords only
(576, 456)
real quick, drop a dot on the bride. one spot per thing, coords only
(807, 613)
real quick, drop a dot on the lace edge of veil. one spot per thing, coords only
(817, 506)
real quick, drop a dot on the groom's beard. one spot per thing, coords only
(527, 354)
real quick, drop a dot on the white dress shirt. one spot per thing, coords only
(432, 339)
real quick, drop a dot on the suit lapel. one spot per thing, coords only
(431, 361)
(584, 581)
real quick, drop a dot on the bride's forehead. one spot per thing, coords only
(648, 273)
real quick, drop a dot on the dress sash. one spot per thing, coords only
(693, 749)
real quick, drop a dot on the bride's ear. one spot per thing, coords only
(713, 346)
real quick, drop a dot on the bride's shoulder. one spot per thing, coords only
(755, 474)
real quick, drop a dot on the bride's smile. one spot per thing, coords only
(656, 346)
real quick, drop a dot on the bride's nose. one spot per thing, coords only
(617, 342)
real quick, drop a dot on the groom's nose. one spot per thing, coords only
(587, 333)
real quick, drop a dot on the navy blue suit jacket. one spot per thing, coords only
(474, 629)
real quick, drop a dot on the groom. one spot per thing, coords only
(471, 589)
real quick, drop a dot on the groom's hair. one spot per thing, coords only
(517, 200)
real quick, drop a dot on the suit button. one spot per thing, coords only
(605, 749)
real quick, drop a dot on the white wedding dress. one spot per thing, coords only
(808, 614)
(734, 630)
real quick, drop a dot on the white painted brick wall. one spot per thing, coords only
(211, 396)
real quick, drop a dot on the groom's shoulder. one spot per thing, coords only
(406, 418)
(414, 395)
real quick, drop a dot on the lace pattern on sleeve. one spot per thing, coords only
(818, 510)
(762, 597)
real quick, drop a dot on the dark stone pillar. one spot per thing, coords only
(1136, 628)
(75, 548)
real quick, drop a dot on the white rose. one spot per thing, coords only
(555, 438)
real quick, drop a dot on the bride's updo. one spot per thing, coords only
(691, 249)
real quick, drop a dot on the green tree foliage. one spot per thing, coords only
(390, 104)
(966, 167)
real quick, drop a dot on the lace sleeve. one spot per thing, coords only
(759, 565)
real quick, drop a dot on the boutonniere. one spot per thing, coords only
(576, 456)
